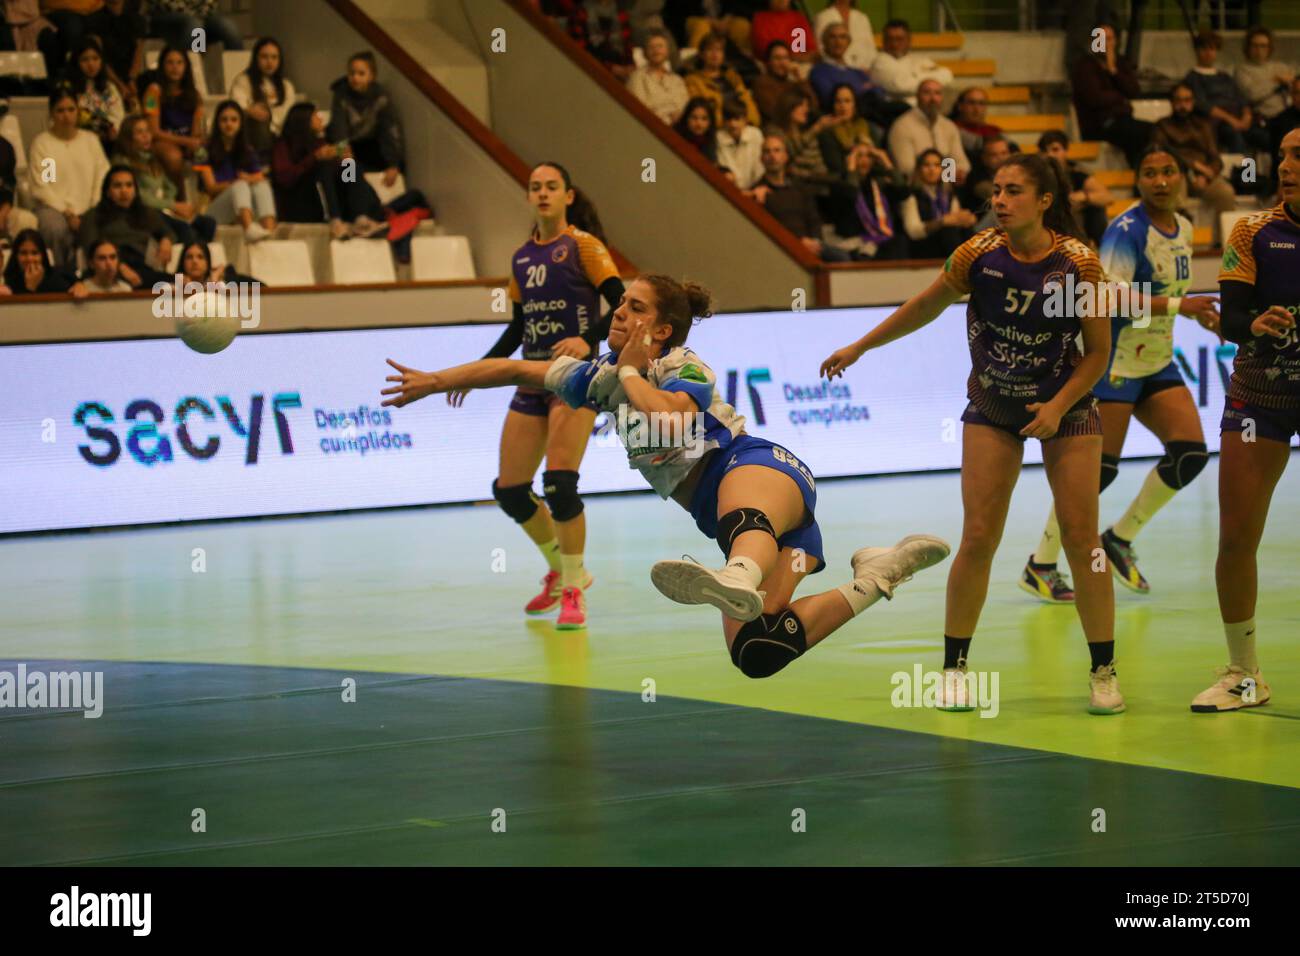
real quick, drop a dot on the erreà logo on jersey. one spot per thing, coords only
(194, 419)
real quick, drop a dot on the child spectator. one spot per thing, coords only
(932, 214)
(363, 118)
(157, 190)
(715, 82)
(265, 95)
(655, 84)
(305, 166)
(778, 76)
(1219, 100)
(1089, 197)
(175, 111)
(196, 266)
(129, 224)
(80, 166)
(898, 71)
(29, 271)
(99, 102)
(779, 22)
(106, 274)
(698, 128)
(740, 146)
(234, 179)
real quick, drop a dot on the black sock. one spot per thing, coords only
(1117, 539)
(955, 650)
(1103, 653)
(1041, 567)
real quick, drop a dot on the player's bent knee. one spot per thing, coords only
(1183, 461)
(561, 490)
(735, 523)
(768, 643)
(518, 501)
(1109, 469)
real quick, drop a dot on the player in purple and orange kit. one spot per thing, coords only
(1028, 380)
(558, 278)
(1259, 293)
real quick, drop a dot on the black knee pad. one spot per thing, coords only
(561, 490)
(769, 642)
(1183, 461)
(518, 501)
(1109, 469)
(735, 523)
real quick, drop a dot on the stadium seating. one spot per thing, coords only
(441, 258)
(281, 262)
(358, 261)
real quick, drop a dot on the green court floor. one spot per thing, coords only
(223, 692)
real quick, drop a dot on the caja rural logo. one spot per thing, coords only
(194, 421)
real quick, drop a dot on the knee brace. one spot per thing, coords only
(561, 490)
(768, 643)
(1109, 469)
(518, 501)
(1183, 461)
(735, 523)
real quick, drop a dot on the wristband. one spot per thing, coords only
(1175, 303)
(626, 371)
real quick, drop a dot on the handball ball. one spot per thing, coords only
(205, 324)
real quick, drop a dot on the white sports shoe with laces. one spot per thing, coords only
(1235, 689)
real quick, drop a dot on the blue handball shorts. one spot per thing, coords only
(1133, 390)
(748, 450)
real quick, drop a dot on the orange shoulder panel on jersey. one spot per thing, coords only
(956, 271)
(1086, 263)
(597, 264)
(1239, 251)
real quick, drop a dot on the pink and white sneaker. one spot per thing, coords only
(573, 611)
(549, 598)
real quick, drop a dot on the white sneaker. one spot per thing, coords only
(256, 232)
(688, 582)
(956, 695)
(1104, 697)
(887, 568)
(1232, 692)
(364, 227)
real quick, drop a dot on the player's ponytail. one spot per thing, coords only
(582, 215)
(680, 304)
(1049, 177)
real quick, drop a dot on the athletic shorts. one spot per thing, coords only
(530, 401)
(1132, 391)
(748, 450)
(1278, 424)
(1082, 419)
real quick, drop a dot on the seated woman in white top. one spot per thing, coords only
(265, 95)
(932, 215)
(66, 168)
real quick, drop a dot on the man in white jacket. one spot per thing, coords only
(899, 71)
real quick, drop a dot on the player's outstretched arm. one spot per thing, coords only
(915, 313)
(413, 385)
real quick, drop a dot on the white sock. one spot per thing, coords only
(747, 568)
(551, 552)
(1155, 494)
(1049, 547)
(572, 574)
(1241, 645)
(860, 594)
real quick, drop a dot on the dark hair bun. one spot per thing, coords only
(698, 299)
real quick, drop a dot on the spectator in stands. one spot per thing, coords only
(130, 225)
(175, 111)
(794, 124)
(1280, 125)
(656, 85)
(1263, 81)
(233, 177)
(716, 82)
(305, 167)
(791, 202)
(1104, 82)
(29, 271)
(844, 131)
(362, 115)
(970, 113)
(30, 32)
(196, 266)
(78, 163)
(729, 20)
(932, 214)
(925, 127)
(157, 190)
(8, 158)
(265, 94)
(647, 17)
(69, 18)
(121, 31)
(778, 76)
(977, 190)
(697, 127)
(832, 71)
(99, 103)
(176, 20)
(740, 146)
(106, 274)
(1219, 100)
(12, 219)
(604, 29)
(861, 50)
(871, 220)
(898, 71)
(1191, 139)
(1089, 196)
(791, 27)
